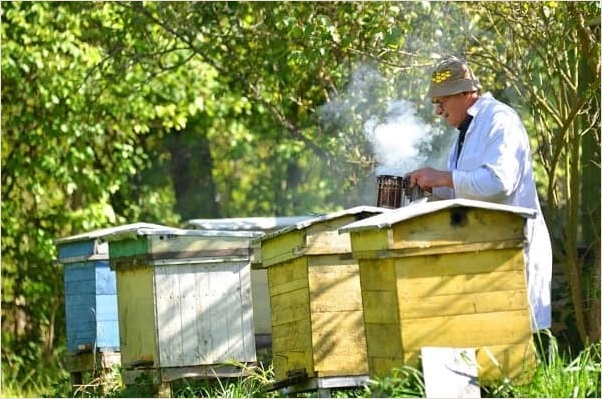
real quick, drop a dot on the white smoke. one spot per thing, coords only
(401, 142)
(400, 139)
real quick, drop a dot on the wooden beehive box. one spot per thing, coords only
(90, 290)
(315, 299)
(259, 278)
(445, 274)
(184, 300)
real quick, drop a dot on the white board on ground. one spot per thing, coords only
(450, 372)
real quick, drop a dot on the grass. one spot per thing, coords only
(557, 375)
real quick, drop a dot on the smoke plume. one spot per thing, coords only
(401, 141)
(399, 138)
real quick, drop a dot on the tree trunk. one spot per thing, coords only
(191, 167)
(589, 123)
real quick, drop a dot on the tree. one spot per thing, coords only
(70, 142)
(557, 77)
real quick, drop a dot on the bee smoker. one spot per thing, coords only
(395, 192)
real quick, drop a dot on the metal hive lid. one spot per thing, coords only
(101, 233)
(321, 218)
(174, 231)
(388, 219)
(247, 223)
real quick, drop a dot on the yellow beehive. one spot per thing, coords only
(446, 274)
(315, 298)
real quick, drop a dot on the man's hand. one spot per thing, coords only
(427, 178)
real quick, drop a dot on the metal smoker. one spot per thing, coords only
(395, 192)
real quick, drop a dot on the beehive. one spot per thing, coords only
(315, 298)
(259, 278)
(90, 290)
(184, 300)
(446, 273)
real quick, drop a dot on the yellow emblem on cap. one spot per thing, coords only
(442, 76)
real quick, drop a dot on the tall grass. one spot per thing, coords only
(557, 375)
(404, 382)
(249, 385)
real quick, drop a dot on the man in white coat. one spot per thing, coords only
(490, 161)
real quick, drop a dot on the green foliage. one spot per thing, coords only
(20, 380)
(70, 142)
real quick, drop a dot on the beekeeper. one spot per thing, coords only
(490, 161)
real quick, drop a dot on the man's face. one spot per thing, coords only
(452, 108)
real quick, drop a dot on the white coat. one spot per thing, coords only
(495, 165)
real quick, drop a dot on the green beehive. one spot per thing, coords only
(184, 302)
(445, 274)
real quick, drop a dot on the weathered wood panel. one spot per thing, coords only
(105, 279)
(78, 249)
(384, 340)
(379, 305)
(439, 250)
(317, 316)
(469, 330)
(460, 263)
(377, 274)
(287, 277)
(324, 238)
(292, 347)
(369, 244)
(338, 333)
(136, 305)
(328, 242)
(339, 343)
(281, 248)
(291, 325)
(457, 226)
(128, 247)
(334, 285)
(90, 305)
(166, 246)
(449, 305)
(204, 314)
(461, 284)
(290, 306)
(315, 298)
(262, 317)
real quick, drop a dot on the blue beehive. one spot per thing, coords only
(90, 290)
